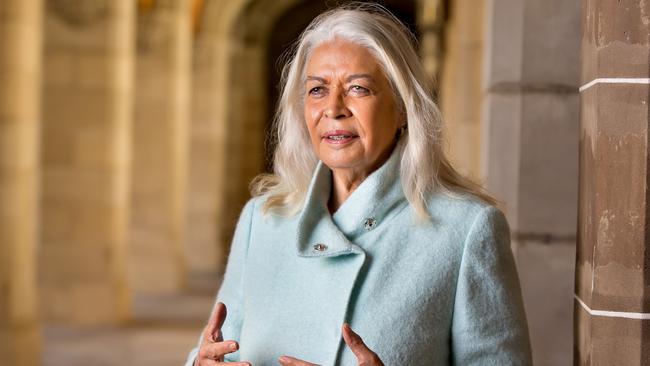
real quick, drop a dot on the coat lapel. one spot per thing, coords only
(316, 234)
(319, 234)
(373, 200)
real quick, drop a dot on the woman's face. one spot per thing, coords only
(350, 109)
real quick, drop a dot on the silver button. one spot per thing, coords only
(370, 223)
(320, 247)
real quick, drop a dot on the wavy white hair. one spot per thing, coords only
(423, 168)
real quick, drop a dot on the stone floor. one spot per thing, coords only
(164, 329)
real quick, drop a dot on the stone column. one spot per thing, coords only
(461, 95)
(531, 154)
(612, 307)
(161, 125)
(88, 103)
(205, 251)
(431, 24)
(20, 66)
(232, 93)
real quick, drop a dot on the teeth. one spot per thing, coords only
(338, 137)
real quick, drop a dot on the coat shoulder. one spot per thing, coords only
(457, 216)
(458, 209)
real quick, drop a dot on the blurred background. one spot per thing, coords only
(129, 131)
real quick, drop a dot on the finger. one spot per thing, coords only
(217, 363)
(354, 341)
(221, 318)
(212, 331)
(292, 361)
(216, 351)
(210, 335)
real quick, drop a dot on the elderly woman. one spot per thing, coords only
(365, 246)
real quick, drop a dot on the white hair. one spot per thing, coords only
(423, 169)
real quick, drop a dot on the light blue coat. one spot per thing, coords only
(441, 293)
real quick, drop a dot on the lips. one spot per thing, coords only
(339, 137)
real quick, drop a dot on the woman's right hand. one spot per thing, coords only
(213, 348)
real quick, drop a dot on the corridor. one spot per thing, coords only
(163, 330)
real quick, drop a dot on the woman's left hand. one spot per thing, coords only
(365, 356)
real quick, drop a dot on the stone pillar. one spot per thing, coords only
(20, 66)
(88, 103)
(531, 154)
(612, 307)
(160, 136)
(231, 105)
(461, 95)
(431, 24)
(243, 140)
(204, 249)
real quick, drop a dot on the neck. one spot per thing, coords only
(345, 181)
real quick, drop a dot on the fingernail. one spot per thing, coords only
(232, 346)
(283, 359)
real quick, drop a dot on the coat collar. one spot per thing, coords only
(320, 234)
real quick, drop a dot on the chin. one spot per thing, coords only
(338, 163)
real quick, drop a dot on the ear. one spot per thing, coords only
(400, 130)
(401, 112)
(402, 120)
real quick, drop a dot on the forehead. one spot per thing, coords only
(341, 57)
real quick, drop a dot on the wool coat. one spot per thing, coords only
(442, 292)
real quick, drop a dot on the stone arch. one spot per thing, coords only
(249, 106)
(229, 78)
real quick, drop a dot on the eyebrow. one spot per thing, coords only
(360, 76)
(348, 79)
(316, 78)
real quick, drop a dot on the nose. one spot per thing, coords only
(336, 108)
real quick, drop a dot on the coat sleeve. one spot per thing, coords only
(489, 323)
(231, 291)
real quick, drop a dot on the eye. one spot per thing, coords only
(316, 91)
(360, 90)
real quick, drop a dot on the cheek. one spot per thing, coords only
(376, 125)
(312, 116)
(312, 112)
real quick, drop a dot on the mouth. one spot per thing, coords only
(339, 137)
